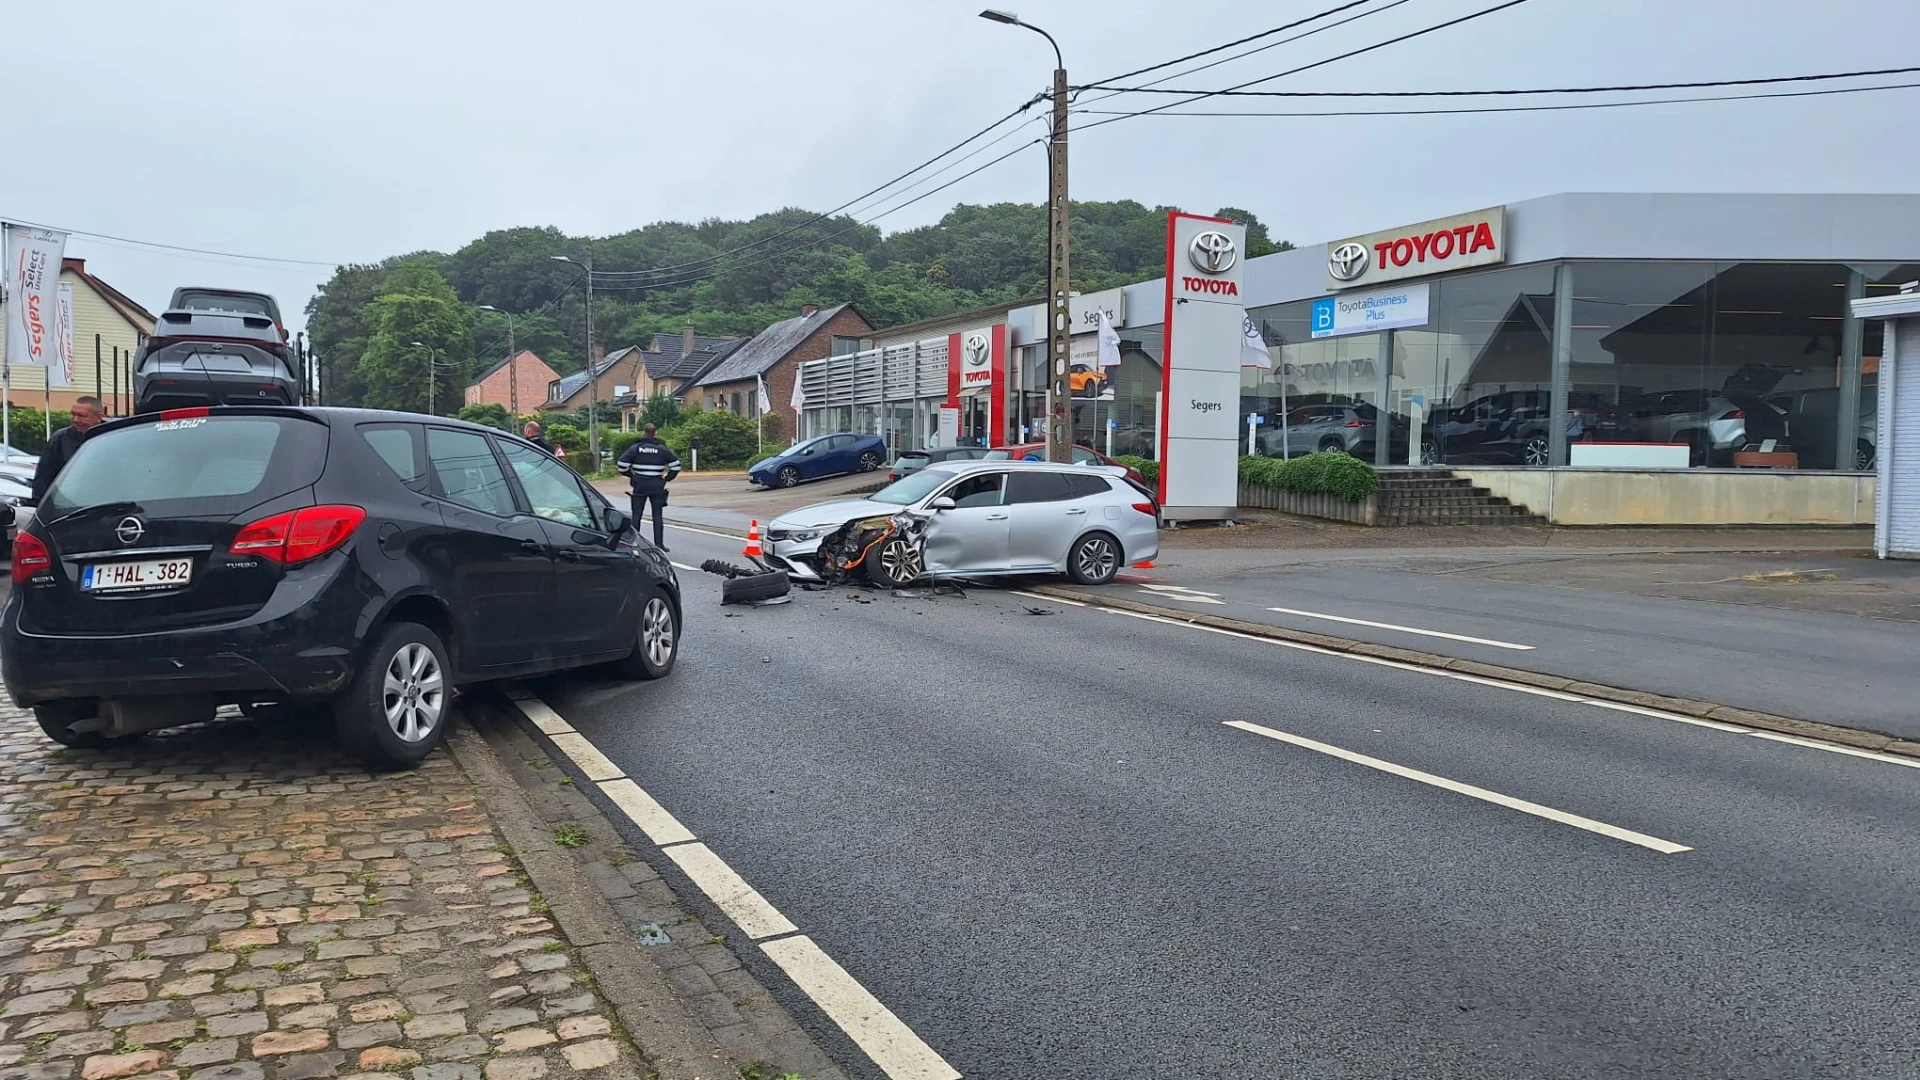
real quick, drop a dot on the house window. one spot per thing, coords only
(845, 346)
(736, 401)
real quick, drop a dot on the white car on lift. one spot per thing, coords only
(975, 519)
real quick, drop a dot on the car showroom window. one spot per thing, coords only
(552, 491)
(1037, 487)
(977, 490)
(468, 474)
(399, 447)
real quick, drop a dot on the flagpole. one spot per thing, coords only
(6, 363)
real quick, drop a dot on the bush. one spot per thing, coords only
(661, 410)
(616, 442)
(1329, 472)
(494, 416)
(565, 436)
(1146, 467)
(726, 439)
(29, 427)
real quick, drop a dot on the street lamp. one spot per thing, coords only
(432, 364)
(593, 377)
(1059, 303)
(513, 363)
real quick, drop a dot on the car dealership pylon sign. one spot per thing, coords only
(1200, 389)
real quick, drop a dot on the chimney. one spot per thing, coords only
(686, 340)
(808, 309)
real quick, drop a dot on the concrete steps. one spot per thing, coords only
(1437, 497)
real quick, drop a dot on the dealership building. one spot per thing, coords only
(1595, 357)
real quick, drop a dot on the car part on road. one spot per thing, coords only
(743, 586)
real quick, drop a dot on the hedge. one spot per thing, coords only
(1330, 472)
(1148, 469)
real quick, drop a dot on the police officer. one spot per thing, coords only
(650, 465)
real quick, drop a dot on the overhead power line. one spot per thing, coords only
(1408, 36)
(1563, 107)
(173, 247)
(1706, 84)
(1232, 44)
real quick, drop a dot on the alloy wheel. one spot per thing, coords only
(789, 476)
(657, 632)
(414, 692)
(900, 562)
(1863, 459)
(1537, 450)
(1096, 560)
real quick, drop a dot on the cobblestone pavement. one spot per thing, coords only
(239, 902)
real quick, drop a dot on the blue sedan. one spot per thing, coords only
(828, 455)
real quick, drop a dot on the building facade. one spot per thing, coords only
(518, 384)
(775, 356)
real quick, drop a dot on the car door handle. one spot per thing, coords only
(570, 556)
(529, 547)
(1076, 511)
(996, 517)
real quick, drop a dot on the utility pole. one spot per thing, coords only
(593, 377)
(513, 363)
(1059, 292)
(432, 363)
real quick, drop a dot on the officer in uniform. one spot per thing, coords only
(650, 465)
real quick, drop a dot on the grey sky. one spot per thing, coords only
(350, 130)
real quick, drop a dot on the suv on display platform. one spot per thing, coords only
(197, 357)
(355, 563)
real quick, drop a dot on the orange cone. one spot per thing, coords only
(753, 541)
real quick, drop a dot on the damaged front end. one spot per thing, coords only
(887, 550)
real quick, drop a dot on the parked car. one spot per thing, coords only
(1343, 428)
(912, 461)
(228, 302)
(355, 564)
(814, 459)
(1510, 428)
(975, 519)
(1082, 455)
(1813, 425)
(16, 506)
(201, 358)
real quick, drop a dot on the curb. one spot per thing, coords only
(1859, 738)
(661, 1028)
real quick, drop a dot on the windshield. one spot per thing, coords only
(911, 489)
(225, 463)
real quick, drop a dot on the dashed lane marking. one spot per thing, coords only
(1400, 629)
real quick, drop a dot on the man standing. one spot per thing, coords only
(532, 432)
(87, 414)
(649, 464)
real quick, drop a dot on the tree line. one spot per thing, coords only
(410, 332)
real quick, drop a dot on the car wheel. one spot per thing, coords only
(1863, 456)
(788, 476)
(896, 564)
(657, 643)
(869, 461)
(1094, 560)
(1699, 450)
(57, 720)
(1537, 450)
(1430, 453)
(754, 587)
(396, 711)
(1332, 446)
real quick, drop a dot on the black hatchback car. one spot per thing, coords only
(356, 562)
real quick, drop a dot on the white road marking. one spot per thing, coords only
(1183, 594)
(892, 1045)
(873, 1027)
(706, 532)
(586, 755)
(730, 892)
(1404, 629)
(660, 826)
(1661, 714)
(1835, 748)
(1536, 691)
(1654, 843)
(1048, 599)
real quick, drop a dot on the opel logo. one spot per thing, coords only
(976, 351)
(1347, 262)
(130, 530)
(1212, 253)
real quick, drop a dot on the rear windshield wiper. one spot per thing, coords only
(96, 509)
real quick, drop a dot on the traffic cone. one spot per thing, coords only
(753, 541)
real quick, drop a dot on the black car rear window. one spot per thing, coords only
(229, 459)
(207, 301)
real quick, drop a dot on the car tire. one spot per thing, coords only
(656, 639)
(753, 587)
(1332, 446)
(896, 564)
(787, 477)
(397, 709)
(869, 461)
(1094, 559)
(1864, 458)
(1537, 450)
(57, 720)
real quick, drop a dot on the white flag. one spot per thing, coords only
(33, 299)
(766, 406)
(1109, 343)
(1253, 348)
(799, 397)
(61, 374)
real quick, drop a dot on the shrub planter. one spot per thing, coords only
(1315, 505)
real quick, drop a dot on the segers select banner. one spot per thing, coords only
(33, 295)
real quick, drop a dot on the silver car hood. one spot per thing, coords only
(837, 512)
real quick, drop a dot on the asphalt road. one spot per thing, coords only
(1035, 838)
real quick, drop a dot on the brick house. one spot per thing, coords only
(674, 360)
(775, 354)
(617, 374)
(496, 385)
(108, 329)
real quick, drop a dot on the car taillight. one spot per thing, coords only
(193, 413)
(1737, 414)
(299, 535)
(30, 556)
(1147, 508)
(1356, 423)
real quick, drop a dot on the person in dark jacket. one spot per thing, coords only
(650, 466)
(87, 414)
(532, 432)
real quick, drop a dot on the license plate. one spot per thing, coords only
(146, 574)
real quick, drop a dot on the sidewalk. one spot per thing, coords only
(236, 901)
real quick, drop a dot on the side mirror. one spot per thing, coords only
(942, 503)
(617, 523)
